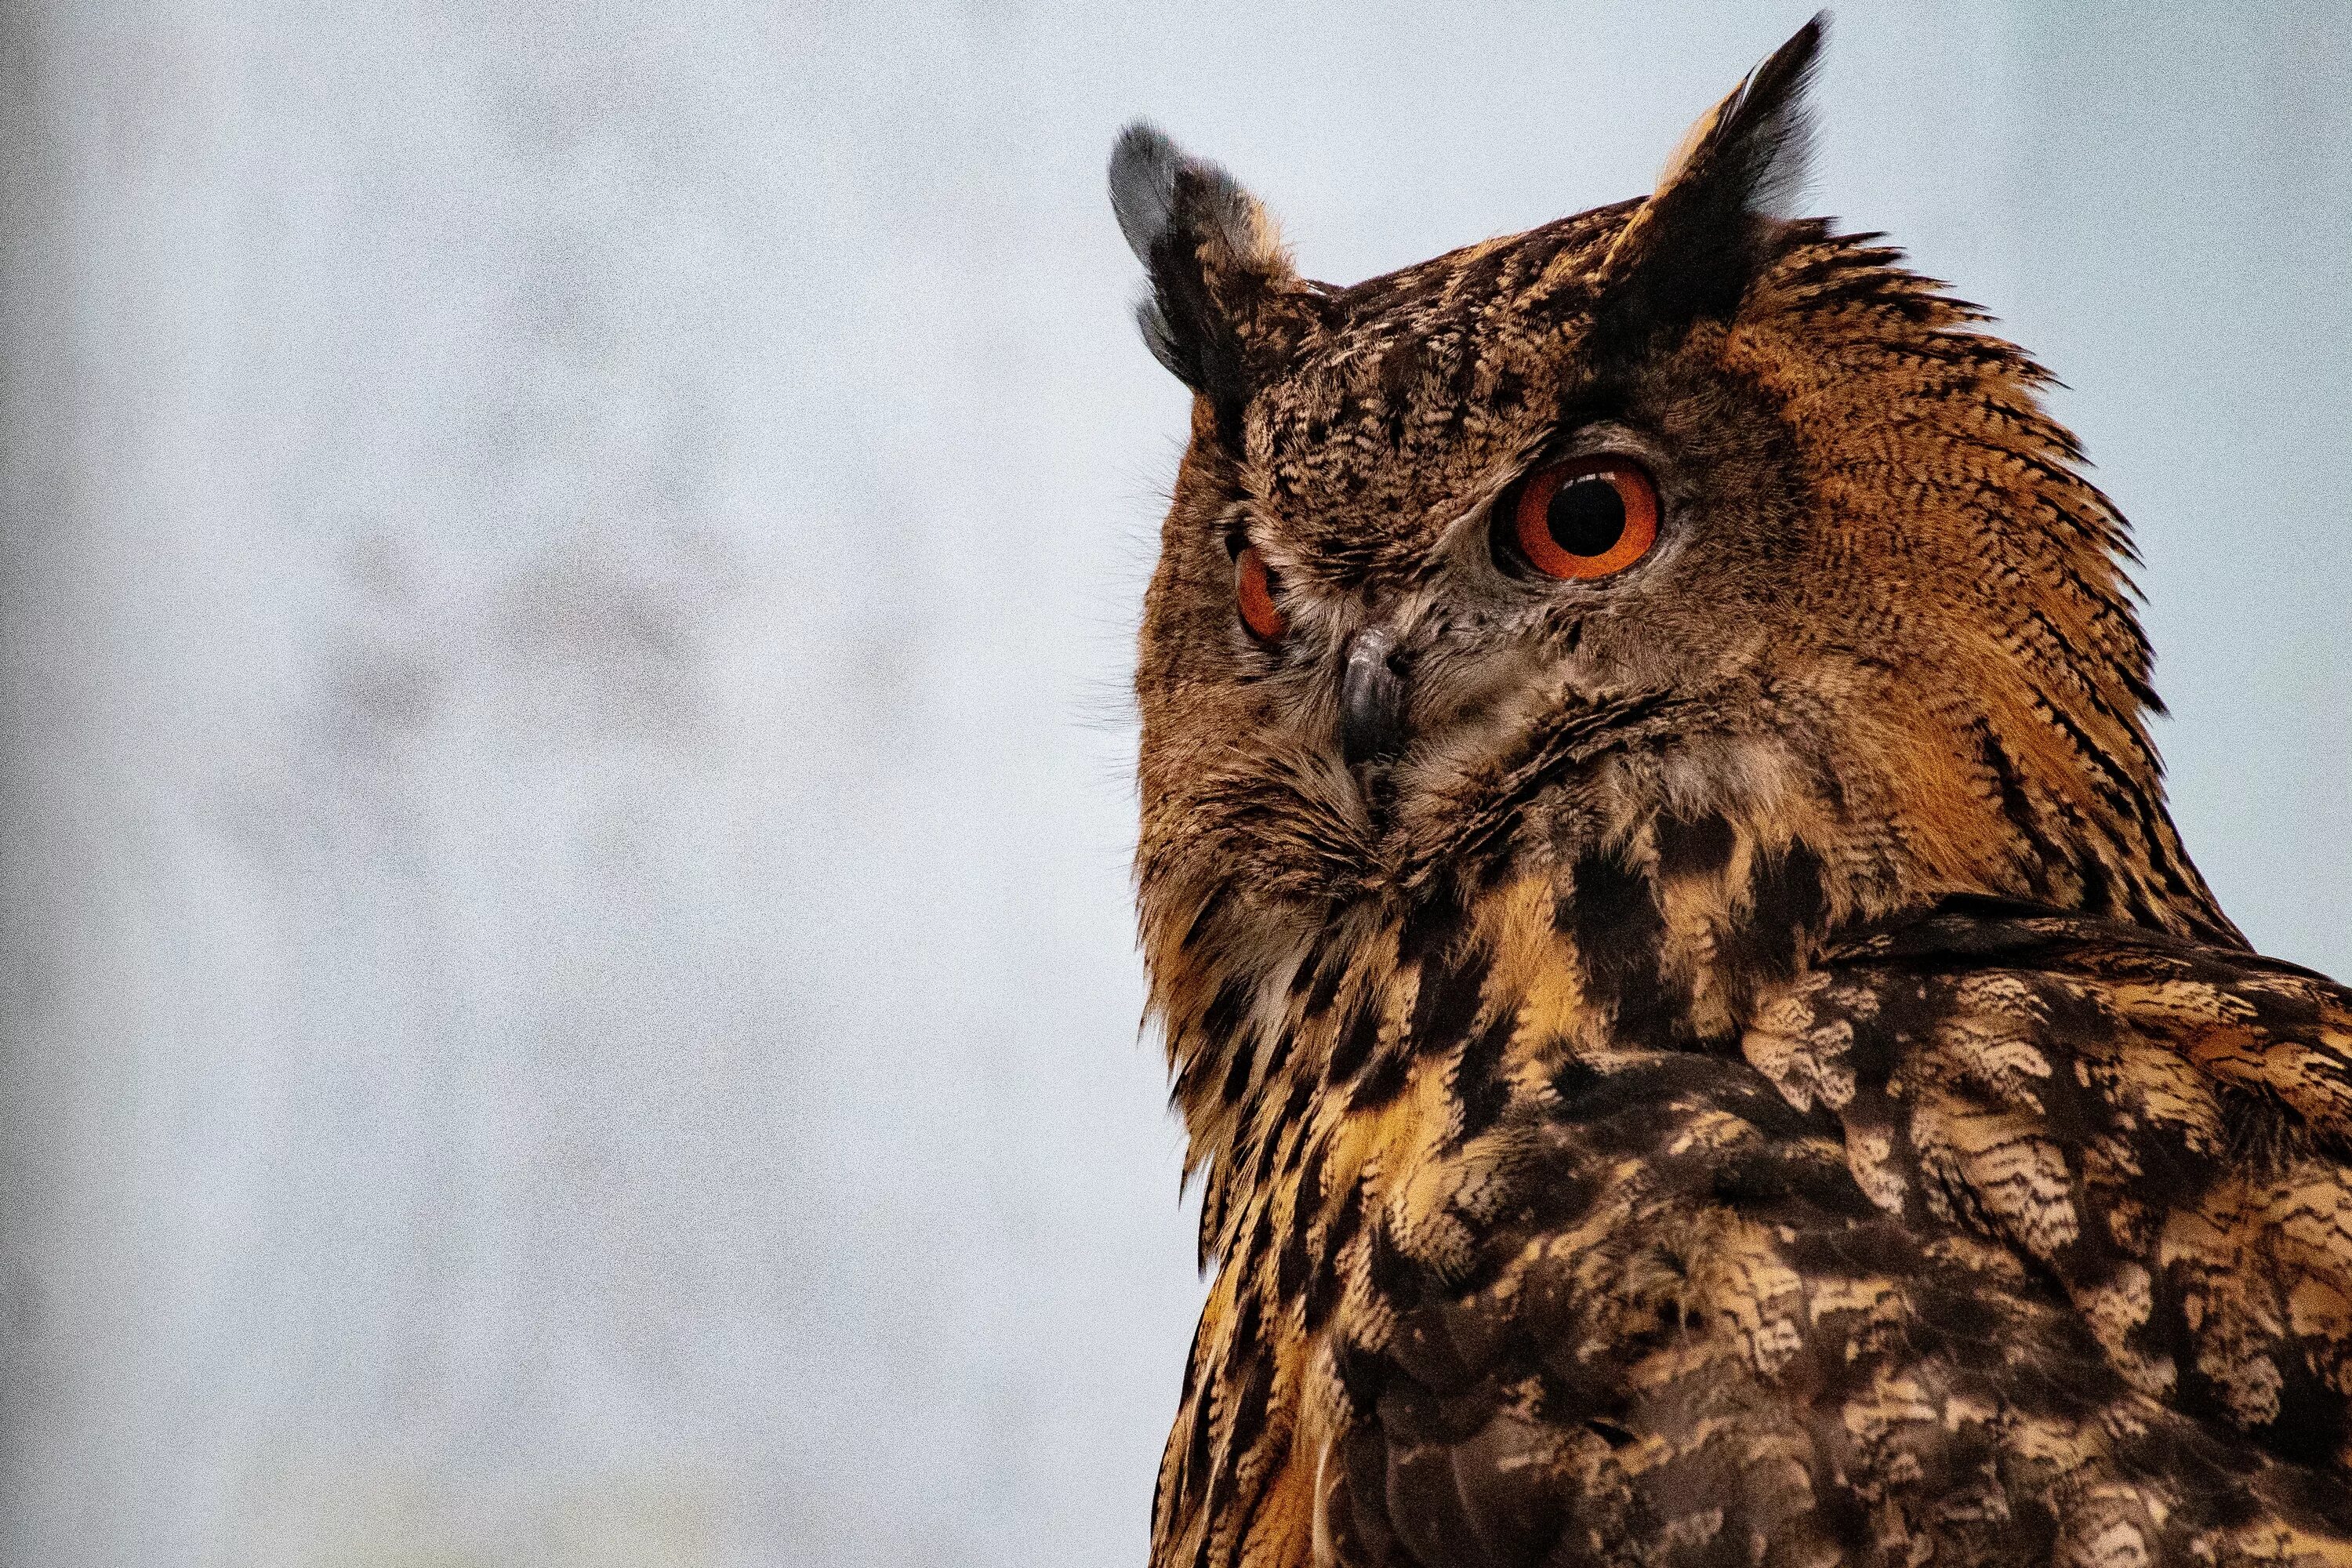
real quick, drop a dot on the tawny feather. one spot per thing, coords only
(1752, 1074)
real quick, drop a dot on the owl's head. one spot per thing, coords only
(1679, 537)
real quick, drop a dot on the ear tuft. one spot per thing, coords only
(1221, 286)
(1690, 251)
(1756, 144)
(1143, 165)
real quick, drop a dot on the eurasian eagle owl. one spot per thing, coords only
(1702, 1042)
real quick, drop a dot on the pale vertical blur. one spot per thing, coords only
(566, 974)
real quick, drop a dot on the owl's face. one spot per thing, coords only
(1661, 531)
(1448, 523)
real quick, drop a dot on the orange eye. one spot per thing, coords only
(1254, 587)
(1587, 519)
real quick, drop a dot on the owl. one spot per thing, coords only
(1699, 1039)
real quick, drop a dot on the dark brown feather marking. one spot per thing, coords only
(1753, 1077)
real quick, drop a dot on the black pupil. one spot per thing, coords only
(1587, 516)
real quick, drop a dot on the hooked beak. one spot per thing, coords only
(1371, 699)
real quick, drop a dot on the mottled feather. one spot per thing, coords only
(1754, 1075)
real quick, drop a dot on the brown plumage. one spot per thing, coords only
(1726, 1060)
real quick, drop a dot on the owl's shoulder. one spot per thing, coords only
(2006, 1229)
(2157, 1125)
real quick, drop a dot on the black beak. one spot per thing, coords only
(1371, 699)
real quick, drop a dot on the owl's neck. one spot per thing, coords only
(1647, 901)
(1661, 938)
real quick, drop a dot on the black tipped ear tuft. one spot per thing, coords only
(1690, 251)
(1757, 144)
(1143, 165)
(1223, 305)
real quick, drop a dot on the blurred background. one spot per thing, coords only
(569, 569)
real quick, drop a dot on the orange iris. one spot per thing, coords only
(1253, 588)
(1586, 519)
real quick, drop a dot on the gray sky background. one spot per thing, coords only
(567, 571)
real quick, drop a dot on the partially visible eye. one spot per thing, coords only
(1254, 584)
(1583, 520)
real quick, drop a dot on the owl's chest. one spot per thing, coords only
(1423, 1127)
